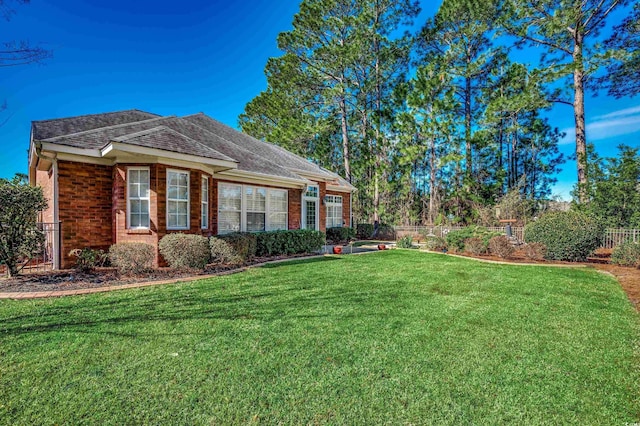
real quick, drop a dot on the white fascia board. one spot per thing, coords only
(54, 147)
(114, 147)
(260, 178)
(340, 189)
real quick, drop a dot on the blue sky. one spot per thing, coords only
(186, 57)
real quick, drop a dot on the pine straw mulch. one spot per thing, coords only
(628, 277)
(109, 277)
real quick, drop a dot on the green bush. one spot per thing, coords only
(132, 258)
(88, 259)
(185, 250)
(501, 246)
(475, 246)
(295, 241)
(435, 243)
(222, 252)
(364, 231)
(570, 236)
(386, 232)
(244, 244)
(626, 254)
(340, 234)
(456, 239)
(405, 242)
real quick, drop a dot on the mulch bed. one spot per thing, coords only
(629, 278)
(109, 277)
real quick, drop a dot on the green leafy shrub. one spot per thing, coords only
(475, 246)
(534, 251)
(244, 244)
(405, 242)
(340, 235)
(364, 231)
(222, 252)
(435, 243)
(88, 259)
(626, 254)
(570, 236)
(295, 241)
(501, 246)
(456, 239)
(132, 258)
(185, 250)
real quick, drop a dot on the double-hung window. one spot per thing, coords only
(229, 208)
(177, 199)
(138, 197)
(255, 202)
(204, 219)
(334, 211)
(278, 209)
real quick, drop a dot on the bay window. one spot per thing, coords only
(138, 197)
(251, 209)
(177, 199)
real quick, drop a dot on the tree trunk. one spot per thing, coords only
(432, 182)
(578, 112)
(467, 125)
(345, 137)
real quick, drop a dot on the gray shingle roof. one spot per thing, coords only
(268, 151)
(197, 135)
(45, 129)
(162, 137)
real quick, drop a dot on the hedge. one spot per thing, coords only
(295, 241)
(340, 234)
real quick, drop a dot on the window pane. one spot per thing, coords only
(277, 221)
(255, 222)
(182, 208)
(144, 219)
(172, 207)
(182, 221)
(135, 221)
(135, 206)
(143, 175)
(172, 178)
(182, 179)
(183, 193)
(172, 192)
(229, 222)
(143, 190)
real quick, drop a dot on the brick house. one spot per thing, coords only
(133, 176)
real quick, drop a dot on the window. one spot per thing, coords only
(334, 211)
(177, 199)
(204, 219)
(138, 197)
(312, 192)
(229, 208)
(251, 209)
(278, 209)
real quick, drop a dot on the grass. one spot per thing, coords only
(392, 337)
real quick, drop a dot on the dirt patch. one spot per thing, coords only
(629, 278)
(109, 277)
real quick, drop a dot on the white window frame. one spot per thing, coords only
(268, 225)
(188, 200)
(204, 203)
(129, 198)
(243, 206)
(331, 201)
(220, 185)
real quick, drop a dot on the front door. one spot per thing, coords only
(310, 214)
(310, 202)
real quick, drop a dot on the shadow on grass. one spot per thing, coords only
(300, 262)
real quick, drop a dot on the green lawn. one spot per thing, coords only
(396, 337)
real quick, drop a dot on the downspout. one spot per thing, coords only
(56, 218)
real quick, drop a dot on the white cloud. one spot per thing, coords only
(616, 123)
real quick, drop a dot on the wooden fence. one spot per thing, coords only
(612, 236)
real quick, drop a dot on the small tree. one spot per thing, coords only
(19, 234)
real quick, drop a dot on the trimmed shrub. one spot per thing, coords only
(132, 258)
(475, 246)
(222, 252)
(626, 254)
(405, 242)
(501, 246)
(534, 251)
(340, 234)
(570, 236)
(88, 259)
(435, 243)
(243, 243)
(295, 241)
(364, 231)
(456, 239)
(386, 232)
(185, 250)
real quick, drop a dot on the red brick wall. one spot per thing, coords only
(295, 208)
(44, 179)
(84, 207)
